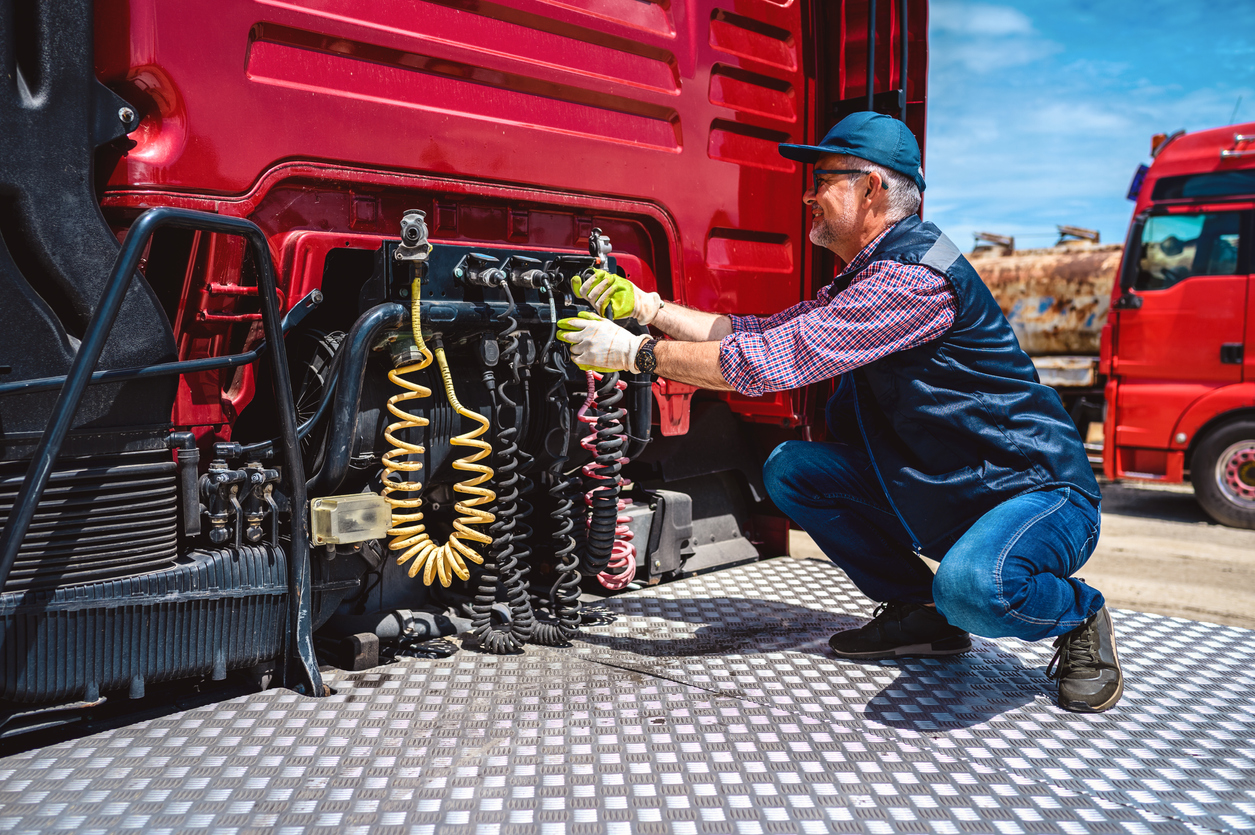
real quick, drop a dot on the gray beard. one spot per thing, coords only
(822, 235)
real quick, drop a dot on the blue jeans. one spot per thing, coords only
(1009, 575)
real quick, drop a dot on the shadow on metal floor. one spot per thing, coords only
(704, 706)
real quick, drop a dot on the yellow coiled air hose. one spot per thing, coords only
(408, 533)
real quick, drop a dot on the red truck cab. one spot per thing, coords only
(1181, 388)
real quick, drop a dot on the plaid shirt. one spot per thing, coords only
(887, 307)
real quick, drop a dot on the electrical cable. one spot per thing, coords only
(501, 563)
(409, 534)
(553, 324)
(522, 535)
(564, 596)
(606, 443)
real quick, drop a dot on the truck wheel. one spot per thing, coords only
(1223, 471)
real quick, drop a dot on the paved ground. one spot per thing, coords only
(1160, 553)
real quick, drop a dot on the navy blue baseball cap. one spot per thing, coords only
(874, 137)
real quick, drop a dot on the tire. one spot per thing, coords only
(1223, 472)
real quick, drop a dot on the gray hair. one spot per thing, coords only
(904, 197)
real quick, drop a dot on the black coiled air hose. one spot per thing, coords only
(500, 561)
(607, 462)
(521, 376)
(522, 530)
(564, 597)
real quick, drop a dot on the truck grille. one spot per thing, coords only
(100, 518)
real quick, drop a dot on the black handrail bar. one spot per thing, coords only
(300, 667)
(139, 372)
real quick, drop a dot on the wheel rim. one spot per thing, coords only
(1235, 474)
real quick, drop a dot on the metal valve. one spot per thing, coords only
(528, 272)
(480, 270)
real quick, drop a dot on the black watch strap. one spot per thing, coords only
(646, 362)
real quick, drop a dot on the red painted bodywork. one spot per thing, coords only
(1167, 386)
(521, 122)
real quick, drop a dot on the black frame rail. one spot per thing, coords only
(299, 667)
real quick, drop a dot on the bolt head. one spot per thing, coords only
(126, 115)
(458, 272)
(1181, 438)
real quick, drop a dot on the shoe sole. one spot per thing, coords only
(899, 652)
(1085, 707)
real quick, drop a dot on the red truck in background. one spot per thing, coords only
(199, 427)
(1180, 392)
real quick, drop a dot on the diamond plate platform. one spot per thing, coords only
(704, 706)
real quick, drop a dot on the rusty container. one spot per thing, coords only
(1056, 299)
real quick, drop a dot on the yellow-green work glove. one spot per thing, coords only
(598, 344)
(617, 297)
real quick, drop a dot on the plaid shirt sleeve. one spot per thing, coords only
(759, 324)
(887, 307)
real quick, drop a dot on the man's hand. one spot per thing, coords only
(607, 291)
(598, 344)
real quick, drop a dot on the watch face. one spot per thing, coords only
(645, 359)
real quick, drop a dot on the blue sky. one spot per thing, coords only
(1039, 112)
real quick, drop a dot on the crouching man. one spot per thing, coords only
(943, 442)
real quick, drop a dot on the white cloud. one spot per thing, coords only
(1075, 118)
(986, 56)
(978, 19)
(1024, 134)
(983, 38)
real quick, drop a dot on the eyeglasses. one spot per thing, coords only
(815, 172)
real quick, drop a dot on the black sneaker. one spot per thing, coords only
(1087, 666)
(898, 629)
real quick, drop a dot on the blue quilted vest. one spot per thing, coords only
(960, 424)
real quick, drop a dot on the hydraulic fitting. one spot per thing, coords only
(259, 503)
(480, 270)
(528, 272)
(220, 490)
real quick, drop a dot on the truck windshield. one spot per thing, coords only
(1215, 184)
(1175, 247)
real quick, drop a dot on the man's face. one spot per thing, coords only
(834, 206)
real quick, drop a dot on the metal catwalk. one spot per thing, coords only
(709, 705)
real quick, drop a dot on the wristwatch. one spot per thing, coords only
(646, 362)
